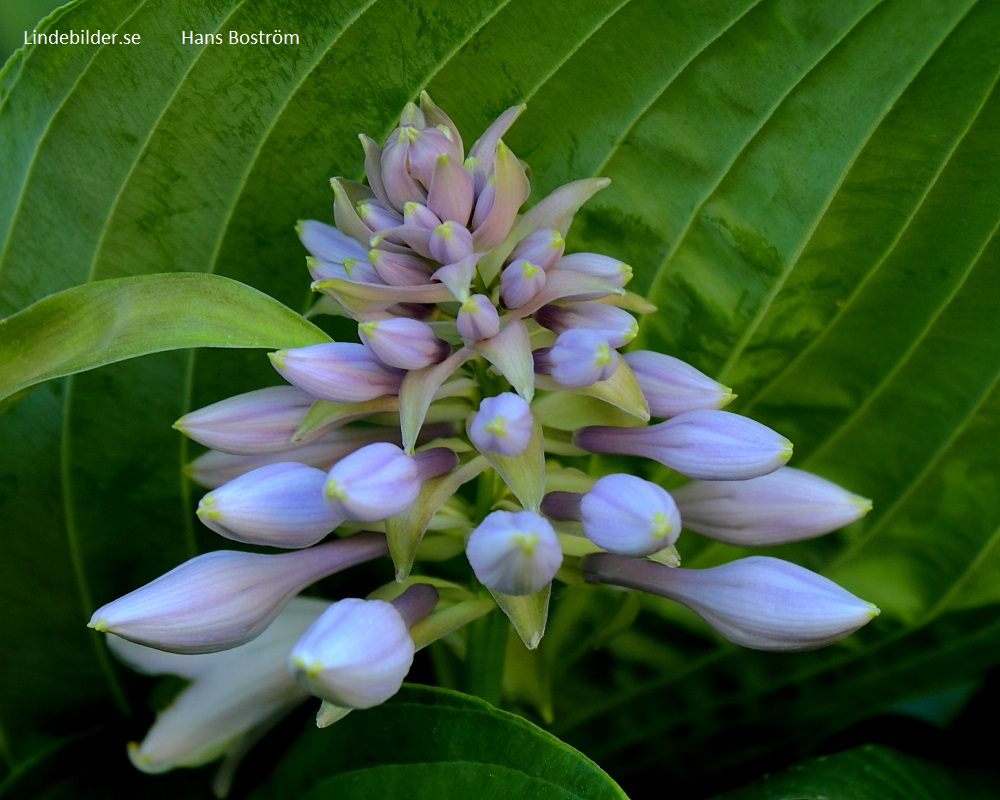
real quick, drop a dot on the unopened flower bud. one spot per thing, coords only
(450, 242)
(373, 483)
(543, 248)
(519, 282)
(478, 319)
(514, 553)
(579, 357)
(340, 371)
(786, 506)
(376, 216)
(610, 269)
(757, 602)
(711, 445)
(326, 243)
(502, 425)
(402, 342)
(672, 386)
(225, 598)
(399, 269)
(628, 515)
(615, 325)
(450, 194)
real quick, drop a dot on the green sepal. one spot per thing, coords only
(510, 352)
(621, 390)
(566, 411)
(362, 300)
(325, 413)
(329, 713)
(527, 613)
(417, 392)
(523, 473)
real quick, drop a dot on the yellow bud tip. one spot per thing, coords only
(661, 525)
(728, 395)
(470, 306)
(409, 133)
(873, 610)
(470, 162)
(309, 668)
(348, 265)
(603, 355)
(496, 426)
(334, 490)
(367, 327)
(335, 183)
(179, 426)
(786, 449)
(557, 240)
(136, 756)
(278, 358)
(626, 272)
(100, 625)
(298, 226)
(527, 541)
(443, 158)
(444, 229)
(529, 269)
(863, 503)
(410, 207)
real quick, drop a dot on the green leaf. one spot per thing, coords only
(434, 743)
(870, 773)
(108, 321)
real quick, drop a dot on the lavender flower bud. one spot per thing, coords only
(757, 602)
(450, 194)
(672, 386)
(418, 215)
(426, 148)
(326, 243)
(279, 505)
(357, 270)
(519, 282)
(497, 205)
(356, 655)
(450, 242)
(478, 319)
(711, 445)
(377, 217)
(579, 357)
(249, 424)
(340, 371)
(610, 269)
(502, 425)
(628, 515)
(514, 553)
(400, 187)
(399, 269)
(615, 325)
(373, 483)
(226, 598)
(785, 506)
(543, 247)
(402, 342)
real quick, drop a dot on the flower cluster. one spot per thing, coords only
(486, 353)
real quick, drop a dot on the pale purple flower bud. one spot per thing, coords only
(279, 505)
(579, 357)
(706, 444)
(433, 462)
(257, 422)
(450, 193)
(377, 217)
(514, 553)
(519, 282)
(485, 148)
(373, 483)
(420, 216)
(502, 425)
(478, 319)
(340, 371)
(615, 325)
(373, 167)
(326, 243)
(506, 190)
(403, 343)
(672, 386)
(757, 602)
(400, 186)
(356, 655)
(543, 247)
(610, 269)
(426, 148)
(350, 269)
(226, 598)
(435, 117)
(786, 506)
(415, 238)
(346, 196)
(450, 242)
(399, 269)
(628, 515)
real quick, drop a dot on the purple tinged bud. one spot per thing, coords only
(377, 217)
(450, 194)
(510, 188)
(615, 325)
(426, 148)
(478, 319)
(543, 247)
(502, 425)
(420, 216)
(399, 269)
(515, 553)
(373, 167)
(250, 424)
(373, 483)
(280, 505)
(705, 444)
(400, 186)
(434, 462)
(436, 117)
(520, 281)
(402, 342)
(628, 515)
(579, 357)
(416, 238)
(672, 386)
(450, 242)
(340, 371)
(326, 243)
(356, 655)
(610, 269)
(226, 598)
(562, 505)
(757, 602)
(786, 506)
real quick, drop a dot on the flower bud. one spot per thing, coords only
(542, 247)
(502, 425)
(477, 319)
(340, 371)
(356, 655)
(426, 148)
(249, 424)
(399, 269)
(225, 598)
(376, 216)
(417, 215)
(326, 243)
(615, 325)
(519, 282)
(711, 445)
(450, 194)
(757, 602)
(579, 357)
(785, 506)
(402, 342)
(373, 483)
(514, 553)
(400, 186)
(672, 386)
(450, 242)
(610, 269)
(629, 515)
(279, 505)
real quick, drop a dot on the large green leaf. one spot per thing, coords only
(807, 192)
